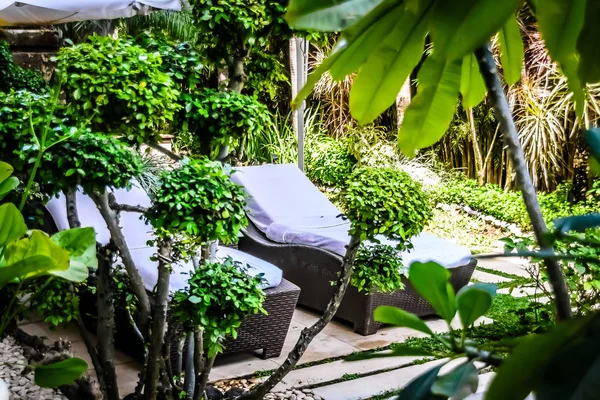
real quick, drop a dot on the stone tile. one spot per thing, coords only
(127, 377)
(522, 292)
(305, 316)
(69, 332)
(237, 365)
(370, 386)
(485, 380)
(505, 265)
(321, 348)
(481, 276)
(323, 373)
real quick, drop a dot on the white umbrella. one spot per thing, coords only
(50, 12)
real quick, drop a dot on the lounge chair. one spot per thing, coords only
(257, 332)
(294, 226)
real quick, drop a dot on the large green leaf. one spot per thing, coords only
(6, 170)
(430, 112)
(60, 373)
(587, 44)
(561, 22)
(12, 224)
(352, 49)
(459, 383)
(432, 282)
(420, 387)
(459, 27)
(511, 51)
(398, 317)
(7, 186)
(31, 266)
(592, 139)
(522, 371)
(578, 223)
(327, 15)
(472, 86)
(473, 301)
(380, 79)
(80, 243)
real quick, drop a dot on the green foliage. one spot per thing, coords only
(384, 201)
(14, 77)
(511, 51)
(507, 206)
(200, 201)
(267, 76)
(93, 161)
(55, 303)
(119, 87)
(219, 297)
(217, 118)
(59, 373)
(377, 268)
(328, 161)
(276, 143)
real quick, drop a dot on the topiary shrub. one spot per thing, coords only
(217, 118)
(387, 202)
(218, 298)
(328, 161)
(93, 161)
(200, 201)
(119, 87)
(377, 268)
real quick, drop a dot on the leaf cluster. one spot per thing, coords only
(92, 161)
(385, 201)
(199, 200)
(119, 86)
(15, 77)
(217, 118)
(55, 302)
(328, 161)
(378, 268)
(219, 296)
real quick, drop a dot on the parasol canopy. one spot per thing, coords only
(50, 12)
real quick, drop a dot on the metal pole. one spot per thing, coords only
(302, 70)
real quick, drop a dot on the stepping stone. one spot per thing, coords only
(373, 385)
(506, 265)
(329, 372)
(486, 277)
(522, 292)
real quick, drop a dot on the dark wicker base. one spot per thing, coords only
(312, 269)
(266, 333)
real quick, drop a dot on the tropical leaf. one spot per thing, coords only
(397, 317)
(429, 114)
(380, 79)
(432, 282)
(420, 387)
(459, 383)
(473, 301)
(472, 86)
(59, 373)
(32, 266)
(12, 224)
(587, 44)
(459, 27)
(511, 51)
(327, 15)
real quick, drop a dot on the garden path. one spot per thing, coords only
(326, 373)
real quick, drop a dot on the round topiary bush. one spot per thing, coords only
(93, 161)
(216, 118)
(387, 202)
(200, 201)
(329, 162)
(218, 297)
(377, 268)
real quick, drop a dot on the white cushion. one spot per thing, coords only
(137, 233)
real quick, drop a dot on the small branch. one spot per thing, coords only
(89, 344)
(128, 208)
(190, 375)
(72, 214)
(165, 151)
(202, 380)
(159, 319)
(308, 334)
(137, 284)
(487, 66)
(199, 363)
(483, 356)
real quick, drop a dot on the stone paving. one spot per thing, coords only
(328, 381)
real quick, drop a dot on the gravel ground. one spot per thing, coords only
(304, 394)
(21, 387)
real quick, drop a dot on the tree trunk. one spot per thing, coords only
(402, 101)
(72, 214)
(106, 325)
(487, 66)
(308, 334)
(580, 170)
(202, 379)
(236, 75)
(159, 319)
(137, 285)
(479, 167)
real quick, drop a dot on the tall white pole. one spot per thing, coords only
(301, 74)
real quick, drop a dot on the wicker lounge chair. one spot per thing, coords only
(257, 332)
(313, 261)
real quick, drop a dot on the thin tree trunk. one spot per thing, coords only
(199, 363)
(137, 284)
(403, 101)
(222, 77)
(165, 151)
(106, 325)
(202, 380)
(580, 170)
(72, 214)
(488, 69)
(236, 75)
(479, 167)
(190, 373)
(308, 334)
(159, 319)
